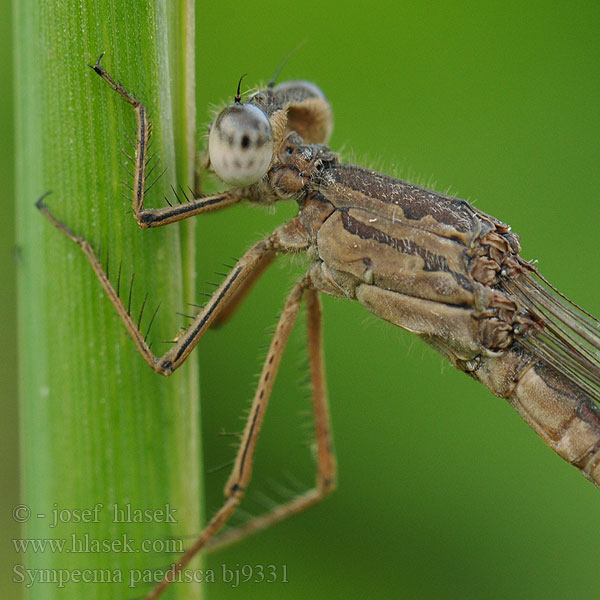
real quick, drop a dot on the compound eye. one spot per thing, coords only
(240, 144)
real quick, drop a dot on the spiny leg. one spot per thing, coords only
(253, 260)
(156, 217)
(242, 469)
(242, 292)
(326, 464)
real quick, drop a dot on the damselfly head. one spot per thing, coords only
(242, 139)
(240, 144)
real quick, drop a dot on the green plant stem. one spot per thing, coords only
(98, 427)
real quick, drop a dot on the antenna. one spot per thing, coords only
(283, 62)
(238, 97)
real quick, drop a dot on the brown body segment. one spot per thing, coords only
(396, 257)
(566, 418)
(350, 186)
(375, 236)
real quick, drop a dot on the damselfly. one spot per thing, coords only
(427, 262)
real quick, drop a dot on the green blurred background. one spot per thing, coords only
(444, 492)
